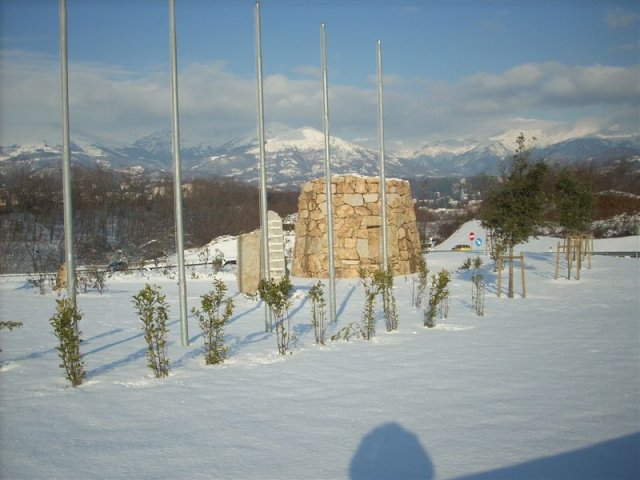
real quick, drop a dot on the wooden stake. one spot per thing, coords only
(524, 288)
(579, 260)
(499, 275)
(569, 259)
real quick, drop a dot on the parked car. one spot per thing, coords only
(117, 266)
(462, 247)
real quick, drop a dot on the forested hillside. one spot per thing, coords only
(126, 215)
(118, 216)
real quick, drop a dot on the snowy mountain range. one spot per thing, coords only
(296, 155)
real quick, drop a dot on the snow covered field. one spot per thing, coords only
(542, 387)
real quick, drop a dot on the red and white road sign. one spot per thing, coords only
(472, 236)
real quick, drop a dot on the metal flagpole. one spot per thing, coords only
(66, 159)
(383, 181)
(327, 169)
(264, 224)
(177, 178)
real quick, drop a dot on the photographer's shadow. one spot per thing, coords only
(390, 452)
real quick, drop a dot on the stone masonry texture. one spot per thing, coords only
(357, 226)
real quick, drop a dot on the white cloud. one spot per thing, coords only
(551, 85)
(524, 76)
(388, 79)
(113, 103)
(309, 71)
(548, 132)
(626, 47)
(619, 19)
(559, 87)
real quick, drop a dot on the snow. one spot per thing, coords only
(548, 132)
(305, 138)
(542, 387)
(13, 151)
(540, 244)
(441, 148)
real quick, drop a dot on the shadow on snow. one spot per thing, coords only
(615, 459)
(390, 452)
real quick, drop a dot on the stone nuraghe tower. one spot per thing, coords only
(357, 227)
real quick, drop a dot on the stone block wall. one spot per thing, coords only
(357, 225)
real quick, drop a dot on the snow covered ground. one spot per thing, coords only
(542, 387)
(539, 244)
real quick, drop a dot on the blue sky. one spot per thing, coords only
(453, 69)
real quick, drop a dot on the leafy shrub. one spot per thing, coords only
(277, 296)
(438, 298)
(348, 332)
(203, 255)
(466, 266)
(384, 285)
(152, 309)
(477, 287)
(92, 278)
(374, 284)
(368, 328)
(218, 261)
(9, 325)
(65, 327)
(42, 281)
(418, 293)
(318, 312)
(217, 312)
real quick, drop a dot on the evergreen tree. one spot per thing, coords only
(513, 209)
(574, 203)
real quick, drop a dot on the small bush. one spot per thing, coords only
(203, 255)
(348, 332)
(217, 312)
(368, 328)
(218, 261)
(153, 310)
(419, 292)
(92, 278)
(477, 287)
(277, 296)
(42, 281)
(65, 327)
(466, 266)
(318, 312)
(438, 298)
(384, 285)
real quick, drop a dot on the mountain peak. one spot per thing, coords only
(444, 148)
(297, 154)
(304, 138)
